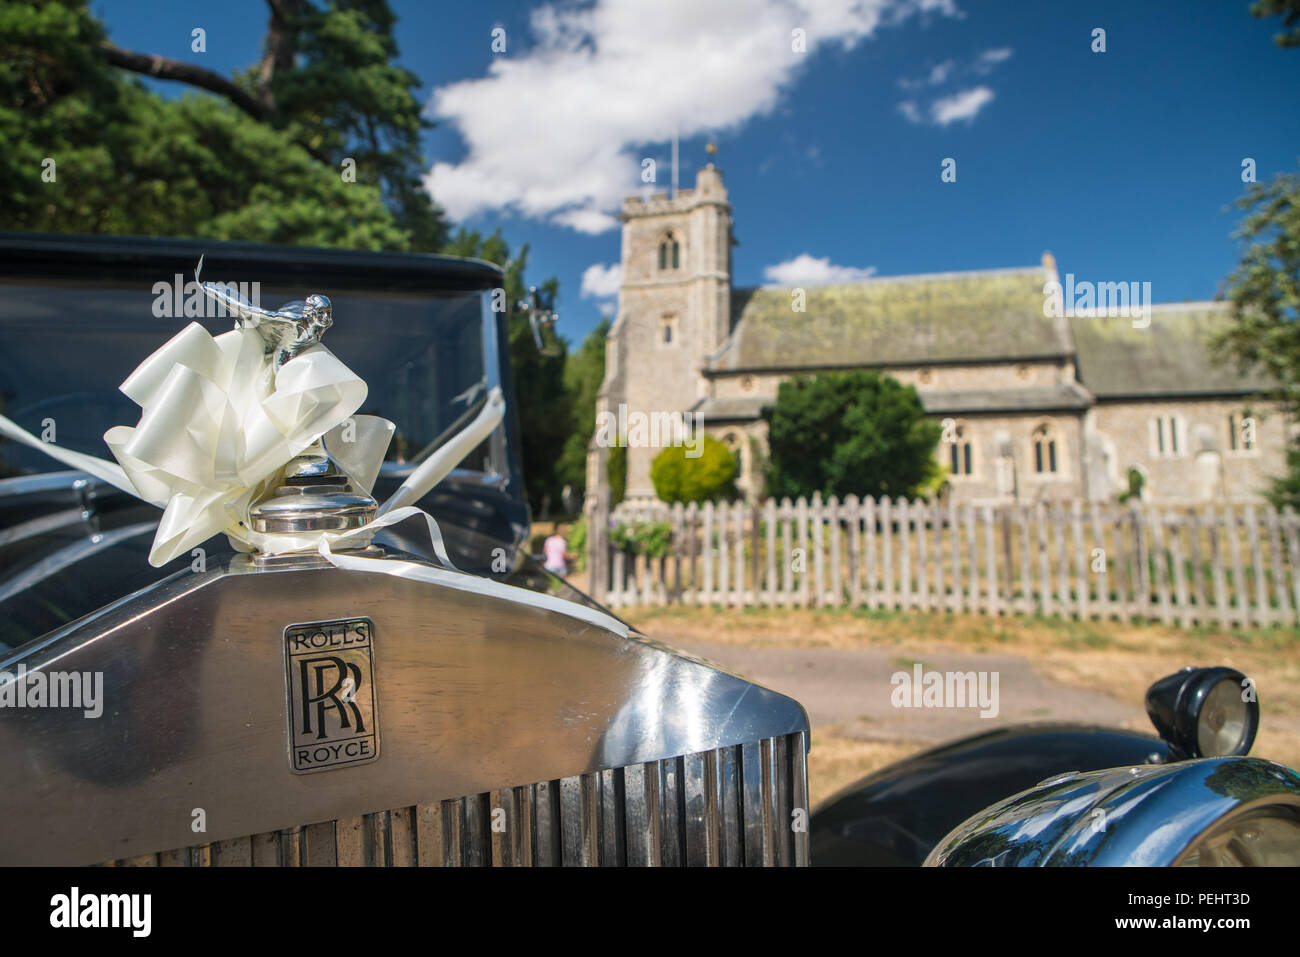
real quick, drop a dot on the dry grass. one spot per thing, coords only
(1115, 658)
(835, 762)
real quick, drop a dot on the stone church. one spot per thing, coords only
(1033, 406)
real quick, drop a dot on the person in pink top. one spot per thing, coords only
(556, 552)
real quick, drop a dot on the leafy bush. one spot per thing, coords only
(710, 476)
(616, 473)
(578, 542)
(1136, 481)
(849, 433)
(651, 539)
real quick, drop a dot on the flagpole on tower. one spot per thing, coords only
(674, 189)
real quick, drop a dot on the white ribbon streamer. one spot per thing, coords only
(108, 472)
(454, 579)
(439, 465)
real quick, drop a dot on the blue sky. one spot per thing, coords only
(1123, 164)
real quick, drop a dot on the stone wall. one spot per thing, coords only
(1205, 467)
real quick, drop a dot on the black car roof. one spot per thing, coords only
(102, 257)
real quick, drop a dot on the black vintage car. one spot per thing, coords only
(1073, 795)
(393, 705)
(479, 727)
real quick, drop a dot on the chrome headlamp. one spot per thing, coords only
(1204, 712)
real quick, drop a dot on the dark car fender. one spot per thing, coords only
(893, 817)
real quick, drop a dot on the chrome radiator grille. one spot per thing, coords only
(734, 806)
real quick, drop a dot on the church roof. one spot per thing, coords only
(1169, 358)
(732, 409)
(1061, 397)
(905, 320)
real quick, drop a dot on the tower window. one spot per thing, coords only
(670, 252)
(668, 330)
(1046, 461)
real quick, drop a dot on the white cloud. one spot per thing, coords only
(960, 106)
(987, 60)
(806, 270)
(600, 281)
(586, 220)
(940, 73)
(937, 76)
(556, 131)
(963, 104)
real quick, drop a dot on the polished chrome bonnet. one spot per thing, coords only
(650, 755)
(1139, 816)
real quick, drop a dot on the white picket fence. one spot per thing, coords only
(1231, 566)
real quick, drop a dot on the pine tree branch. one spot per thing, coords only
(165, 68)
(281, 41)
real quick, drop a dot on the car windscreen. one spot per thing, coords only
(65, 349)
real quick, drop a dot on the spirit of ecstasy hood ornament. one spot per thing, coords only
(317, 493)
(288, 332)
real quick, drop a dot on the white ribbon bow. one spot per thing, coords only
(218, 424)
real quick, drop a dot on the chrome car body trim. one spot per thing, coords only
(43, 525)
(693, 810)
(69, 555)
(45, 482)
(476, 693)
(1139, 816)
(492, 380)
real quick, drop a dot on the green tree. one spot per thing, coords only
(1289, 11)
(584, 370)
(541, 401)
(710, 475)
(85, 147)
(1264, 290)
(848, 433)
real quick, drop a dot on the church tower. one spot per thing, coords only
(674, 309)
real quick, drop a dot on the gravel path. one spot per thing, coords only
(852, 690)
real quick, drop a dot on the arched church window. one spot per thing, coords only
(668, 329)
(1241, 432)
(961, 450)
(1167, 438)
(1046, 457)
(670, 251)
